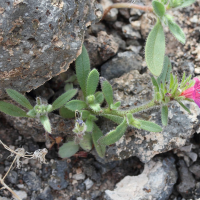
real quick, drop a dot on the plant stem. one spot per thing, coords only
(127, 5)
(122, 113)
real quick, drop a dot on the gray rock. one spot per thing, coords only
(134, 89)
(112, 15)
(186, 186)
(46, 194)
(79, 176)
(101, 48)
(130, 32)
(39, 39)
(195, 169)
(88, 183)
(95, 194)
(59, 170)
(12, 177)
(120, 64)
(33, 127)
(156, 182)
(32, 181)
(21, 194)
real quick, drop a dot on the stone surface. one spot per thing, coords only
(187, 182)
(101, 48)
(156, 182)
(134, 89)
(32, 181)
(39, 39)
(12, 177)
(195, 169)
(60, 169)
(120, 64)
(30, 127)
(130, 32)
(22, 194)
(88, 183)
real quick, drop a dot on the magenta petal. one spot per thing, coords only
(197, 101)
(189, 93)
(197, 83)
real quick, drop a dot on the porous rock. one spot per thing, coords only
(156, 182)
(134, 89)
(39, 39)
(120, 64)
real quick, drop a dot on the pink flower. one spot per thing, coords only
(193, 92)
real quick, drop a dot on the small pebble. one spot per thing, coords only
(88, 183)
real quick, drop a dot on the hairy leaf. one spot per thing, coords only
(115, 135)
(164, 115)
(75, 105)
(155, 49)
(165, 75)
(155, 84)
(150, 126)
(95, 106)
(176, 30)
(46, 123)
(19, 98)
(68, 86)
(107, 91)
(86, 142)
(12, 110)
(92, 82)
(61, 100)
(66, 113)
(90, 125)
(99, 97)
(68, 149)
(184, 107)
(82, 69)
(114, 118)
(96, 134)
(159, 8)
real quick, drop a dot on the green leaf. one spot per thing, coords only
(92, 82)
(75, 105)
(165, 75)
(68, 86)
(115, 135)
(31, 113)
(19, 98)
(71, 79)
(164, 115)
(95, 106)
(96, 134)
(159, 8)
(68, 149)
(99, 98)
(66, 113)
(155, 84)
(86, 142)
(115, 106)
(12, 110)
(150, 126)
(176, 30)
(155, 49)
(186, 3)
(184, 107)
(85, 114)
(90, 125)
(107, 91)
(61, 100)
(114, 118)
(82, 69)
(46, 123)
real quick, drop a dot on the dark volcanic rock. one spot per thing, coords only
(187, 184)
(39, 39)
